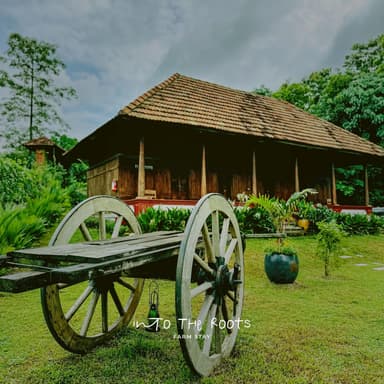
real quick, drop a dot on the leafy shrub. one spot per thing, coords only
(156, 219)
(321, 213)
(304, 210)
(16, 182)
(19, 228)
(361, 224)
(51, 206)
(24, 223)
(328, 243)
(254, 220)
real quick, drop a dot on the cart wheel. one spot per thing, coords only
(83, 315)
(209, 284)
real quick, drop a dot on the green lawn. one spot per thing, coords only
(315, 331)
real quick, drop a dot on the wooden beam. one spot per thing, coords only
(141, 172)
(254, 174)
(366, 185)
(297, 179)
(333, 183)
(203, 173)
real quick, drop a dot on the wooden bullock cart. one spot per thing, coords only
(92, 274)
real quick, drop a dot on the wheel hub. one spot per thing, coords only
(222, 280)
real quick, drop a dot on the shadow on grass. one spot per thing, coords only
(134, 356)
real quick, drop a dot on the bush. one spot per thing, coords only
(19, 229)
(254, 220)
(321, 213)
(32, 201)
(328, 244)
(17, 184)
(156, 219)
(360, 224)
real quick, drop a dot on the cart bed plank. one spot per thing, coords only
(102, 251)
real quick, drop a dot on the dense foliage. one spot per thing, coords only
(256, 219)
(157, 219)
(24, 223)
(32, 200)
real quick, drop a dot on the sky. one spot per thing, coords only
(115, 50)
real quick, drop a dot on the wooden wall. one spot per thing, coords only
(99, 178)
(173, 166)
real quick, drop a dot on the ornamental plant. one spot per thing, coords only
(280, 211)
(328, 244)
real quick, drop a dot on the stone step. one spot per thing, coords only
(294, 230)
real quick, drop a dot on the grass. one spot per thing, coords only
(314, 331)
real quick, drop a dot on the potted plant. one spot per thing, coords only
(281, 263)
(303, 214)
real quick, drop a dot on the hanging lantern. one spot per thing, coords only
(114, 186)
(153, 313)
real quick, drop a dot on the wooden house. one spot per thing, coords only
(186, 137)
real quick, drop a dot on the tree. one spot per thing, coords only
(294, 93)
(64, 141)
(30, 107)
(368, 57)
(262, 90)
(360, 107)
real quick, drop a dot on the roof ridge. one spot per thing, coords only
(142, 98)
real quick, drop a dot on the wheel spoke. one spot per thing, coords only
(208, 244)
(230, 250)
(205, 310)
(224, 236)
(102, 228)
(125, 284)
(117, 301)
(216, 233)
(89, 315)
(116, 228)
(224, 311)
(231, 296)
(203, 264)
(104, 311)
(217, 332)
(85, 232)
(78, 303)
(208, 338)
(201, 288)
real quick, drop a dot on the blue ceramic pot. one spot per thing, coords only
(281, 268)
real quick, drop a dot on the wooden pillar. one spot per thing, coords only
(297, 179)
(254, 175)
(333, 182)
(141, 172)
(203, 173)
(366, 185)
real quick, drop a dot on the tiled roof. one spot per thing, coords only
(182, 99)
(41, 142)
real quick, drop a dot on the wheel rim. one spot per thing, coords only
(209, 284)
(86, 314)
